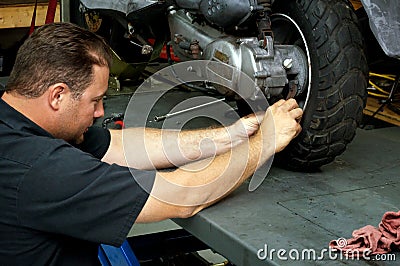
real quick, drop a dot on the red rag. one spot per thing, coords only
(377, 240)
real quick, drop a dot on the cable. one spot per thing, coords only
(386, 76)
(384, 90)
(378, 88)
(387, 91)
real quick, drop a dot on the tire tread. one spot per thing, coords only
(342, 81)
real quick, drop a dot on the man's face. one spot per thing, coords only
(81, 113)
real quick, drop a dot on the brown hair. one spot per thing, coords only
(58, 53)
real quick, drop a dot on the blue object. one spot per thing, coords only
(113, 256)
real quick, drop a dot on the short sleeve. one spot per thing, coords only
(71, 193)
(96, 141)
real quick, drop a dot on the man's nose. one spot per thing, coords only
(99, 112)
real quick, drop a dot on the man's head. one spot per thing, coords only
(59, 79)
(57, 53)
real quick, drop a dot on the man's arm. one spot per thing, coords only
(191, 188)
(152, 148)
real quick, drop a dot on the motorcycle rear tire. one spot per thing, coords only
(339, 72)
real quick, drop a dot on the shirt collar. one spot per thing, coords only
(14, 119)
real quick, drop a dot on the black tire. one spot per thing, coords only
(339, 72)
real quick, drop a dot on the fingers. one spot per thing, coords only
(289, 104)
(296, 113)
(280, 102)
(287, 116)
(298, 130)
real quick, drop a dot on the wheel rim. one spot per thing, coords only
(287, 31)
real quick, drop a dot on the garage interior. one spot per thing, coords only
(291, 209)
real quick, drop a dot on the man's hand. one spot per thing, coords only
(286, 116)
(245, 127)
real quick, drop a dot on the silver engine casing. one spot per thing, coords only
(223, 13)
(271, 67)
(268, 65)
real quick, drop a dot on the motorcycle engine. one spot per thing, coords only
(276, 70)
(223, 13)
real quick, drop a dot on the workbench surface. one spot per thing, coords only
(297, 210)
(305, 211)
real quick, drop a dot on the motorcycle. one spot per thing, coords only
(310, 50)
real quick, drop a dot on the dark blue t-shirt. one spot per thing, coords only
(59, 202)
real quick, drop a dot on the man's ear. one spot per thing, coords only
(57, 93)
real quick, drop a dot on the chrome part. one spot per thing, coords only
(131, 35)
(124, 6)
(223, 13)
(269, 65)
(384, 20)
(169, 115)
(147, 49)
(65, 10)
(287, 63)
(307, 64)
(183, 31)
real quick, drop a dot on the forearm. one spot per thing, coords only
(149, 148)
(193, 187)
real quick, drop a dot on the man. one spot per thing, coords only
(64, 185)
